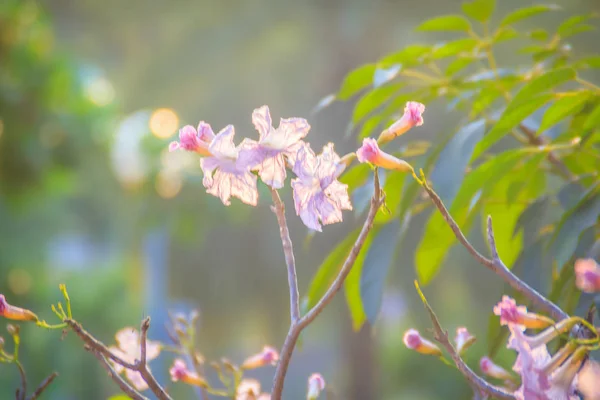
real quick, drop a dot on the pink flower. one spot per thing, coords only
(412, 117)
(191, 139)
(318, 196)
(128, 348)
(316, 384)
(587, 380)
(370, 152)
(587, 275)
(414, 341)
(268, 155)
(492, 369)
(222, 175)
(510, 313)
(268, 356)
(463, 339)
(180, 372)
(249, 389)
(15, 313)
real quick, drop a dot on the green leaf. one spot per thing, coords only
(438, 237)
(541, 84)
(449, 170)
(527, 12)
(539, 35)
(479, 10)
(373, 100)
(561, 109)
(352, 284)
(458, 64)
(375, 269)
(573, 223)
(453, 48)
(505, 34)
(356, 176)
(588, 62)
(570, 26)
(446, 23)
(409, 56)
(496, 335)
(328, 270)
(593, 119)
(119, 397)
(484, 99)
(384, 75)
(356, 80)
(509, 120)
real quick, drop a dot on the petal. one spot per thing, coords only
(220, 186)
(327, 210)
(174, 146)
(327, 165)
(305, 164)
(205, 132)
(136, 380)
(128, 340)
(222, 145)
(251, 154)
(117, 352)
(243, 187)
(261, 118)
(292, 130)
(272, 171)
(338, 192)
(208, 165)
(152, 349)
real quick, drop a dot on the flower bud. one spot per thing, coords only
(463, 340)
(268, 356)
(413, 340)
(412, 117)
(510, 313)
(316, 384)
(192, 140)
(15, 313)
(489, 368)
(180, 372)
(370, 152)
(587, 275)
(1, 343)
(13, 330)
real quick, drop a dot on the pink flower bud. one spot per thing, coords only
(412, 117)
(316, 384)
(413, 340)
(15, 313)
(180, 372)
(495, 371)
(191, 139)
(370, 152)
(268, 356)
(463, 340)
(510, 313)
(587, 275)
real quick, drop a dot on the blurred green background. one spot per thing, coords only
(91, 93)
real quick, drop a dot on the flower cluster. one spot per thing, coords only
(319, 197)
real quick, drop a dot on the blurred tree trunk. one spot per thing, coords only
(359, 358)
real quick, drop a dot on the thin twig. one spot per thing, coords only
(123, 384)
(296, 328)
(495, 264)
(288, 250)
(535, 140)
(43, 386)
(142, 366)
(23, 391)
(475, 381)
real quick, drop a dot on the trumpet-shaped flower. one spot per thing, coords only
(510, 313)
(268, 156)
(15, 313)
(492, 369)
(268, 356)
(413, 340)
(318, 196)
(129, 349)
(412, 117)
(463, 339)
(191, 139)
(370, 152)
(587, 275)
(223, 177)
(180, 372)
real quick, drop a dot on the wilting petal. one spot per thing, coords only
(152, 349)
(587, 275)
(205, 132)
(261, 118)
(128, 340)
(136, 380)
(222, 145)
(291, 132)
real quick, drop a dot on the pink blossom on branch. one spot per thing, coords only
(223, 177)
(191, 139)
(510, 313)
(463, 339)
(414, 341)
(129, 349)
(268, 156)
(268, 356)
(318, 196)
(412, 117)
(370, 152)
(180, 372)
(587, 275)
(15, 313)
(493, 370)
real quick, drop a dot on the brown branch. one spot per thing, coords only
(142, 366)
(43, 386)
(495, 264)
(288, 250)
(21, 393)
(475, 381)
(535, 140)
(297, 327)
(122, 383)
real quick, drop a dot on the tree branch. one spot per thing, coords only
(495, 264)
(43, 386)
(297, 327)
(123, 384)
(142, 365)
(21, 393)
(475, 381)
(288, 250)
(535, 140)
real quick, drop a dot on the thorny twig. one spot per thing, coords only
(494, 263)
(297, 326)
(477, 383)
